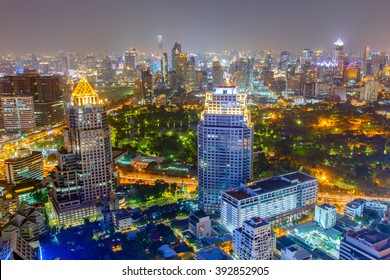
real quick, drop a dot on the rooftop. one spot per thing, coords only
(280, 182)
(372, 238)
(212, 253)
(256, 222)
(238, 194)
(326, 206)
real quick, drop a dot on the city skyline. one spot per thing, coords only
(115, 26)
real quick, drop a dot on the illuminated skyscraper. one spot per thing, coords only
(85, 171)
(165, 73)
(339, 56)
(175, 56)
(225, 140)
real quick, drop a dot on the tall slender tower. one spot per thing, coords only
(160, 46)
(85, 172)
(225, 140)
(339, 56)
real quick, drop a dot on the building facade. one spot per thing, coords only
(26, 166)
(280, 198)
(325, 215)
(85, 171)
(225, 141)
(200, 224)
(18, 114)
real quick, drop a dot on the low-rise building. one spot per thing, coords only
(295, 252)
(212, 253)
(122, 220)
(354, 208)
(9, 202)
(325, 215)
(200, 224)
(144, 161)
(365, 244)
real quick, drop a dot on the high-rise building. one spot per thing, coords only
(182, 74)
(175, 56)
(339, 56)
(366, 244)
(225, 141)
(255, 240)
(130, 64)
(48, 102)
(325, 215)
(160, 46)
(147, 86)
(85, 171)
(284, 197)
(190, 75)
(369, 92)
(17, 114)
(217, 73)
(25, 166)
(165, 73)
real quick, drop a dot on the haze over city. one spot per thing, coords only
(114, 26)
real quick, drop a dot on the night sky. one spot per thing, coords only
(115, 25)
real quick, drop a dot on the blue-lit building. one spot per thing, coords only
(225, 140)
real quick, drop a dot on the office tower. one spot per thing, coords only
(369, 92)
(201, 79)
(267, 62)
(175, 56)
(338, 56)
(217, 73)
(147, 86)
(325, 215)
(129, 64)
(255, 240)
(160, 46)
(295, 252)
(182, 70)
(85, 171)
(27, 222)
(366, 244)
(18, 114)
(34, 62)
(200, 224)
(165, 75)
(48, 101)
(190, 75)
(16, 248)
(225, 141)
(366, 58)
(284, 197)
(25, 166)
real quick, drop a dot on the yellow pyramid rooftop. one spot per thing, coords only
(84, 93)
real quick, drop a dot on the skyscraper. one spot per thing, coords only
(160, 46)
(225, 140)
(255, 240)
(85, 172)
(190, 75)
(338, 56)
(217, 72)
